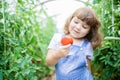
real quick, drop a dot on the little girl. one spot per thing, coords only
(72, 61)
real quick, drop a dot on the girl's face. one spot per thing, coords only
(78, 29)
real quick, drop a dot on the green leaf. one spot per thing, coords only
(1, 15)
(1, 75)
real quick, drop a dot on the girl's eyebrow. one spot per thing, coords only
(77, 19)
(82, 22)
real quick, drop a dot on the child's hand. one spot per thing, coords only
(63, 51)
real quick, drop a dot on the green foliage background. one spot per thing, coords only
(25, 35)
(106, 64)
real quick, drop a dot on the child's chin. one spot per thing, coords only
(75, 36)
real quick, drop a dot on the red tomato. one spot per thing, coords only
(66, 40)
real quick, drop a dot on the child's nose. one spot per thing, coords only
(78, 26)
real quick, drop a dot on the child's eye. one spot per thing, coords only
(84, 27)
(76, 22)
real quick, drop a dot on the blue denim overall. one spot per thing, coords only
(73, 67)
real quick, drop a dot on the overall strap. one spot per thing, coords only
(85, 43)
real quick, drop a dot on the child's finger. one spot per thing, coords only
(67, 46)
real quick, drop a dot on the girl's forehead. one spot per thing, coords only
(76, 18)
(87, 18)
(79, 20)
